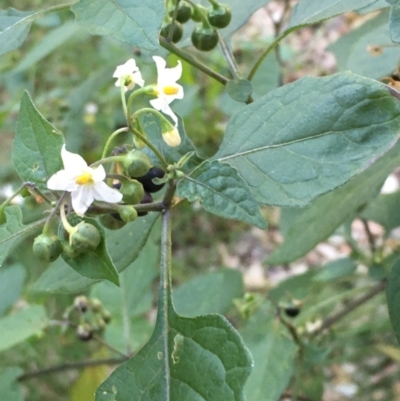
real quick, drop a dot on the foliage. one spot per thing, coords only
(227, 141)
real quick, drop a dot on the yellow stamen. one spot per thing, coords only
(170, 90)
(84, 178)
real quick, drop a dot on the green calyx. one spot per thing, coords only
(47, 247)
(198, 13)
(86, 238)
(177, 31)
(204, 38)
(136, 163)
(219, 16)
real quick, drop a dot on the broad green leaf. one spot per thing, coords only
(384, 209)
(11, 284)
(355, 50)
(310, 11)
(211, 293)
(394, 20)
(273, 352)
(152, 128)
(10, 388)
(320, 220)
(336, 269)
(221, 191)
(52, 41)
(239, 89)
(37, 145)
(14, 28)
(21, 325)
(137, 23)
(267, 76)
(311, 136)
(96, 264)
(13, 230)
(191, 359)
(393, 297)
(377, 5)
(123, 246)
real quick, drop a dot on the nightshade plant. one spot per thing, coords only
(320, 148)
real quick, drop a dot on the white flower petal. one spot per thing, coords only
(98, 173)
(174, 73)
(168, 111)
(72, 161)
(62, 181)
(160, 64)
(137, 77)
(103, 192)
(158, 103)
(82, 198)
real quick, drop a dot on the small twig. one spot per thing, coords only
(350, 307)
(371, 239)
(70, 366)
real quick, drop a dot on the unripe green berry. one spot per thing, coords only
(204, 39)
(106, 315)
(132, 191)
(110, 222)
(219, 17)
(69, 251)
(136, 163)
(96, 306)
(86, 238)
(184, 12)
(47, 247)
(127, 213)
(84, 332)
(177, 32)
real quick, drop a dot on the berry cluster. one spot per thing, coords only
(204, 36)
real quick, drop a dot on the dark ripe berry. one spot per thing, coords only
(112, 221)
(292, 311)
(84, 332)
(184, 12)
(47, 247)
(204, 39)
(176, 34)
(147, 180)
(86, 238)
(146, 199)
(219, 17)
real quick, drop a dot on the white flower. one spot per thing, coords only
(167, 89)
(130, 73)
(85, 183)
(172, 137)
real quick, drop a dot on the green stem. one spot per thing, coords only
(8, 201)
(37, 191)
(152, 111)
(214, 3)
(111, 138)
(228, 56)
(60, 204)
(109, 159)
(173, 19)
(192, 61)
(143, 91)
(68, 228)
(123, 100)
(150, 145)
(269, 49)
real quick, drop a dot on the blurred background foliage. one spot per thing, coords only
(219, 266)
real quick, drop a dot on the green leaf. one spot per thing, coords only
(52, 41)
(337, 269)
(384, 209)
(13, 229)
(14, 28)
(266, 78)
(96, 264)
(11, 284)
(393, 297)
(60, 277)
(353, 50)
(320, 220)
(310, 11)
(21, 325)
(211, 293)
(311, 136)
(10, 388)
(152, 127)
(394, 21)
(377, 5)
(137, 23)
(239, 89)
(37, 145)
(273, 352)
(221, 191)
(200, 358)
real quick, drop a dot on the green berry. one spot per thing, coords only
(219, 17)
(84, 332)
(132, 191)
(110, 222)
(176, 34)
(96, 306)
(47, 247)
(86, 238)
(204, 39)
(136, 163)
(127, 213)
(106, 315)
(184, 12)
(69, 251)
